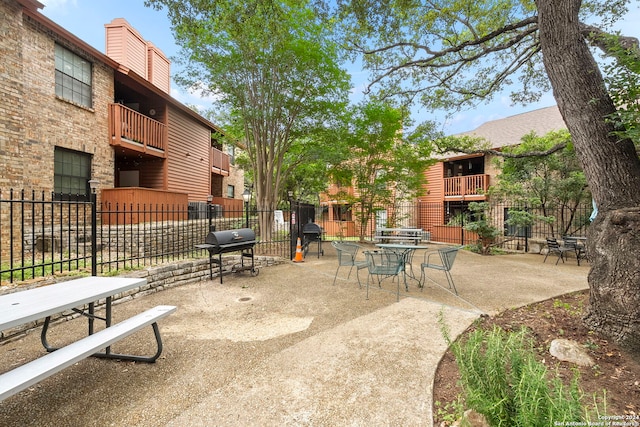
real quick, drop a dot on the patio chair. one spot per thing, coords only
(347, 253)
(447, 257)
(383, 264)
(578, 247)
(556, 248)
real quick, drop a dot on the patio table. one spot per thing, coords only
(407, 252)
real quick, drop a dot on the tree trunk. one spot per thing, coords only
(266, 205)
(611, 167)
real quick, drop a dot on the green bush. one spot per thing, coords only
(502, 380)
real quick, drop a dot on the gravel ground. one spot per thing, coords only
(283, 348)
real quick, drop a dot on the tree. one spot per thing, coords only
(486, 231)
(449, 53)
(382, 167)
(273, 69)
(553, 183)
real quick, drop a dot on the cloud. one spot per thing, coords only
(59, 4)
(194, 97)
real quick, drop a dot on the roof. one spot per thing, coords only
(510, 130)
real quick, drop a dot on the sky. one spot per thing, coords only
(86, 20)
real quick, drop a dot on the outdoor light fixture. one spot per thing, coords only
(93, 185)
(246, 196)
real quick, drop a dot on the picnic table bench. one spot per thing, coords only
(22, 307)
(389, 235)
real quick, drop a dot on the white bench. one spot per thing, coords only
(386, 235)
(26, 375)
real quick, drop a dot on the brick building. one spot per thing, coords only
(71, 113)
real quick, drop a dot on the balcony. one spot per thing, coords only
(470, 187)
(132, 130)
(219, 162)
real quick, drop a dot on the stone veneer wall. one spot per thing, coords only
(128, 241)
(160, 277)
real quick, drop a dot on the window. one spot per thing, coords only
(231, 191)
(73, 77)
(72, 171)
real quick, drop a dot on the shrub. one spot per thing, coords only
(502, 380)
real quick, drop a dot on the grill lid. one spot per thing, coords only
(230, 237)
(312, 228)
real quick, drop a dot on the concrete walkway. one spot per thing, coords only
(286, 348)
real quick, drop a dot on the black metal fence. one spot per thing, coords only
(42, 235)
(447, 222)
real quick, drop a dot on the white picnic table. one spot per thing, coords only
(79, 295)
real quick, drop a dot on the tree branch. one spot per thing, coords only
(452, 60)
(599, 39)
(555, 148)
(457, 48)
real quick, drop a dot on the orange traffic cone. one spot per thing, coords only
(298, 257)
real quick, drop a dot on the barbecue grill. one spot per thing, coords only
(221, 242)
(312, 233)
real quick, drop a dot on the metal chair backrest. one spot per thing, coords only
(448, 256)
(347, 252)
(384, 263)
(552, 244)
(570, 242)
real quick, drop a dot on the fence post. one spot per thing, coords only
(93, 185)
(462, 228)
(292, 222)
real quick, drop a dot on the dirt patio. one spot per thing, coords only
(283, 348)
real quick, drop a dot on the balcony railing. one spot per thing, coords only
(133, 130)
(470, 185)
(219, 162)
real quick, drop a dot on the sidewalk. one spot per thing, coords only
(286, 348)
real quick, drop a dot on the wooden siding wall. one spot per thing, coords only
(159, 67)
(135, 205)
(188, 168)
(434, 177)
(152, 174)
(126, 45)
